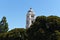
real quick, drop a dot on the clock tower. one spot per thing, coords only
(30, 18)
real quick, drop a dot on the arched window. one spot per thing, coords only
(32, 16)
(32, 22)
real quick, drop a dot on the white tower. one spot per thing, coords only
(30, 18)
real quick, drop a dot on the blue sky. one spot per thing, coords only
(16, 10)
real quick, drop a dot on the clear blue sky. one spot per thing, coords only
(16, 10)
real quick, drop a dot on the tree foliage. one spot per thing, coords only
(3, 25)
(44, 28)
(14, 34)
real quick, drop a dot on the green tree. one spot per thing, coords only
(16, 34)
(3, 25)
(57, 34)
(44, 28)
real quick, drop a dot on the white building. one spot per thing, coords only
(30, 18)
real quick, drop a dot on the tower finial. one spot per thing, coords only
(30, 8)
